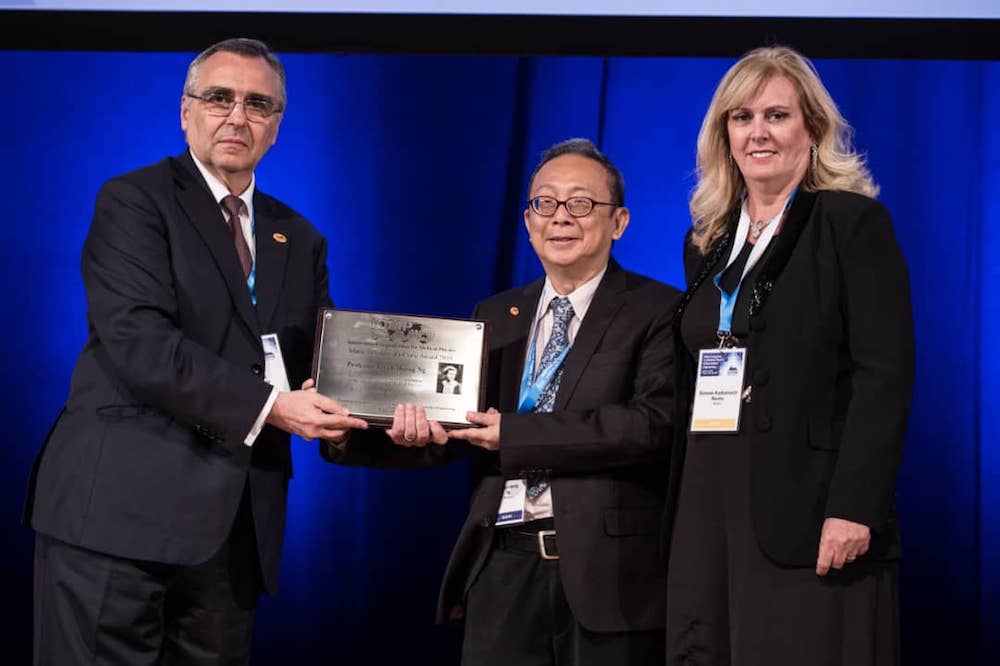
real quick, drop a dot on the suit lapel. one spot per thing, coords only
(774, 263)
(607, 301)
(196, 200)
(272, 255)
(512, 355)
(783, 245)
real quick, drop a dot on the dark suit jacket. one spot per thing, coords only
(147, 460)
(606, 446)
(832, 351)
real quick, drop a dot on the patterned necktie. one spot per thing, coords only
(562, 314)
(233, 206)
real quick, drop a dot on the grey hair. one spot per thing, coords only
(241, 46)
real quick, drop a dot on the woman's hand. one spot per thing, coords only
(841, 542)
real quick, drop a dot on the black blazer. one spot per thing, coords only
(832, 350)
(606, 446)
(146, 459)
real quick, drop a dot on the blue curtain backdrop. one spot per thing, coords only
(414, 167)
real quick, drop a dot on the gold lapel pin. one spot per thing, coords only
(514, 310)
(279, 237)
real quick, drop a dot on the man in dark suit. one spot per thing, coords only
(158, 498)
(558, 561)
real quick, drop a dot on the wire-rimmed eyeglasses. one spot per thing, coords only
(221, 102)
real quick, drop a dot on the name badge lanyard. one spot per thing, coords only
(511, 511)
(252, 278)
(727, 301)
(531, 386)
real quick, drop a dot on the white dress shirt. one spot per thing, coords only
(580, 298)
(219, 192)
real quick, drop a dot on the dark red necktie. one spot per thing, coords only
(233, 206)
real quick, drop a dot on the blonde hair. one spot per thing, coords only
(835, 165)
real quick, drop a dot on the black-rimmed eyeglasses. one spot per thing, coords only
(221, 102)
(575, 206)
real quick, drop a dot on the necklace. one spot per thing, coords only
(756, 228)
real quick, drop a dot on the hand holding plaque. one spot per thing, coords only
(411, 427)
(371, 362)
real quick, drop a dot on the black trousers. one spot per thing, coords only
(94, 608)
(516, 613)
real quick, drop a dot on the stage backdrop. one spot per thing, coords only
(414, 167)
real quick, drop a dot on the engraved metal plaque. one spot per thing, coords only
(372, 361)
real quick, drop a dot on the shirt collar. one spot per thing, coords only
(580, 298)
(219, 191)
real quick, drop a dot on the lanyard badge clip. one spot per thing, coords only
(726, 339)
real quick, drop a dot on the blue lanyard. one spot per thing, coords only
(727, 301)
(252, 278)
(531, 389)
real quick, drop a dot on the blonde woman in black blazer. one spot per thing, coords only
(783, 536)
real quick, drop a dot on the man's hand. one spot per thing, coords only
(487, 437)
(841, 542)
(309, 415)
(410, 427)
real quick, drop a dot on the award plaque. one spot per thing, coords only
(372, 361)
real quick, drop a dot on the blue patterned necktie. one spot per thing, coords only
(562, 314)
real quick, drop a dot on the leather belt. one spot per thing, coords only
(536, 537)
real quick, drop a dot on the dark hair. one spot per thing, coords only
(241, 46)
(584, 148)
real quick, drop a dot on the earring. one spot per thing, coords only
(813, 153)
(730, 159)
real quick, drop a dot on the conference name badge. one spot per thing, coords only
(274, 363)
(512, 503)
(718, 390)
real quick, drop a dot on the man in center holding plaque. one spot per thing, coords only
(558, 561)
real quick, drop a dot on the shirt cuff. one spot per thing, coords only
(258, 425)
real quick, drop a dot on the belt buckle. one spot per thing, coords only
(541, 544)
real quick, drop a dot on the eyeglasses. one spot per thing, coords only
(575, 206)
(221, 102)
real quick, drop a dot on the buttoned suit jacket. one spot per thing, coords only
(605, 445)
(832, 354)
(147, 458)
